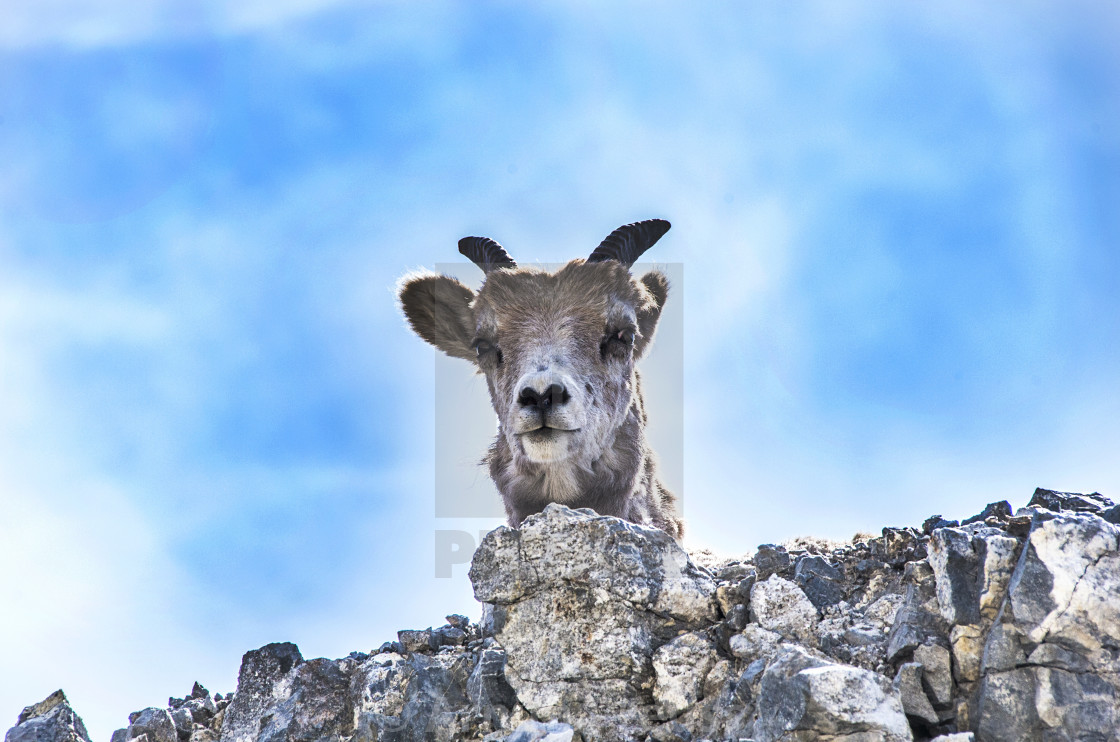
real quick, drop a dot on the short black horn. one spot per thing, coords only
(627, 243)
(486, 253)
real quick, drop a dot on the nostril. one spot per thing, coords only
(555, 395)
(528, 397)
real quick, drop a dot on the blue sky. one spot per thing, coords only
(897, 225)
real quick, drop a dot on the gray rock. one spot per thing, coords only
(1000, 510)
(918, 621)
(1069, 501)
(915, 702)
(422, 697)
(1081, 705)
(1065, 585)
(901, 545)
(416, 640)
(771, 559)
(643, 566)
(202, 709)
(781, 606)
(727, 597)
(459, 621)
(754, 642)
(156, 723)
(1058, 657)
(804, 697)
(183, 720)
(937, 675)
(580, 602)
(1003, 650)
(1007, 706)
(535, 731)
(955, 567)
(448, 636)
(725, 710)
(821, 582)
(50, 720)
(1050, 668)
(934, 522)
(670, 731)
(487, 686)
(746, 584)
(967, 644)
(996, 555)
(863, 635)
(1010, 627)
(1112, 514)
(737, 618)
(680, 669)
(282, 697)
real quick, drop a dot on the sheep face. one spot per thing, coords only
(558, 349)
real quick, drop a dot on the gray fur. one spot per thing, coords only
(558, 352)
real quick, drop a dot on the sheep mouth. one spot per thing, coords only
(545, 433)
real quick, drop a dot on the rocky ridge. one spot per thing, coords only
(1005, 626)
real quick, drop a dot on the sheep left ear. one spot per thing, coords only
(438, 309)
(657, 285)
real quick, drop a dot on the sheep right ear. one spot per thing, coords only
(438, 308)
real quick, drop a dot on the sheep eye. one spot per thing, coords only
(617, 343)
(483, 347)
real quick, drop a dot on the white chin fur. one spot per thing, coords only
(546, 448)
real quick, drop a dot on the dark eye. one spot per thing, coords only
(617, 343)
(485, 349)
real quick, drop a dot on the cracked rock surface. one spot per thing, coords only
(1002, 626)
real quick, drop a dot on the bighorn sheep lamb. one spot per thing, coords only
(558, 351)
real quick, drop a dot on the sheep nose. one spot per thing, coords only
(554, 396)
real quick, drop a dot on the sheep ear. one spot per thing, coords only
(439, 309)
(657, 285)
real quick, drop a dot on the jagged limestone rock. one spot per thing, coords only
(955, 565)
(535, 731)
(262, 671)
(156, 723)
(754, 642)
(821, 582)
(937, 675)
(997, 554)
(804, 697)
(642, 565)
(50, 720)
(1064, 588)
(915, 702)
(580, 604)
(1051, 665)
(780, 606)
(598, 629)
(680, 668)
